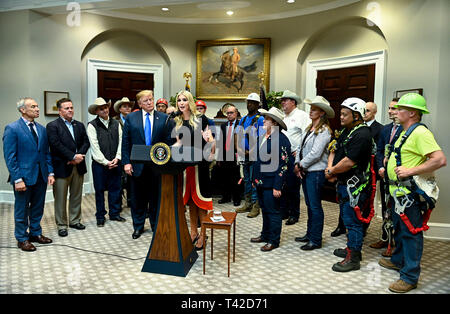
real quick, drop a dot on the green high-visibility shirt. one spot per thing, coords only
(414, 151)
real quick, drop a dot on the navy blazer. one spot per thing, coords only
(23, 157)
(133, 134)
(383, 140)
(282, 160)
(63, 147)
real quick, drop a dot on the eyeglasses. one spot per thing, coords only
(230, 112)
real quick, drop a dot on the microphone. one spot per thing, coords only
(175, 114)
(172, 115)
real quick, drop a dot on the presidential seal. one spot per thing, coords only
(160, 153)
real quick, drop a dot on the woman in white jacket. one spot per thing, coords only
(310, 164)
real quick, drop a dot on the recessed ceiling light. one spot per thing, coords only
(230, 13)
(290, 1)
(165, 9)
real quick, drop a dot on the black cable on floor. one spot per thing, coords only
(79, 249)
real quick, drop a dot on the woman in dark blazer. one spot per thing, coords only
(269, 175)
(197, 184)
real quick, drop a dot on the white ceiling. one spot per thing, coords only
(183, 11)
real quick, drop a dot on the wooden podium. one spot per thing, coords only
(171, 251)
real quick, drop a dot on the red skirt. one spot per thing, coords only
(191, 189)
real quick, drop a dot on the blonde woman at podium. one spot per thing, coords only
(197, 183)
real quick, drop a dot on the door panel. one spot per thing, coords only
(114, 85)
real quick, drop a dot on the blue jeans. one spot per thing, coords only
(290, 197)
(351, 222)
(248, 174)
(312, 186)
(408, 247)
(107, 180)
(270, 208)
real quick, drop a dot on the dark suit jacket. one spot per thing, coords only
(133, 134)
(63, 147)
(375, 129)
(383, 139)
(281, 159)
(223, 139)
(23, 157)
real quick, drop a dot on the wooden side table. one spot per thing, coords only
(230, 220)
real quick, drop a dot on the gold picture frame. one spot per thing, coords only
(50, 99)
(226, 73)
(400, 93)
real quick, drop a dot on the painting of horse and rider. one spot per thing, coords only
(229, 68)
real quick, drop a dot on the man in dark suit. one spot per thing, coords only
(69, 144)
(369, 119)
(227, 165)
(27, 156)
(143, 127)
(375, 128)
(388, 135)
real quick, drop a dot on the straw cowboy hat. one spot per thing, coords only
(119, 103)
(323, 104)
(276, 114)
(291, 95)
(98, 103)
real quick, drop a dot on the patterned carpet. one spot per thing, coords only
(108, 261)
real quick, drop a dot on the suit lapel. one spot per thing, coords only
(26, 130)
(66, 129)
(140, 125)
(156, 125)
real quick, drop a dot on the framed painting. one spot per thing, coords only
(50, 99)
(231, 69)
(400, 93)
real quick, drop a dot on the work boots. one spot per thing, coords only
(254, 211)
(247, 204)
(351, 262)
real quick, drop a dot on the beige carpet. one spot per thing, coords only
(107, 261)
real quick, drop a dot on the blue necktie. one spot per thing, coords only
(148, 130)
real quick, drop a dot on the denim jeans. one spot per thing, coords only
(408, 247)
(270, 207)
(351, 222)
(290, 197)
(312, 184)
(248, 173)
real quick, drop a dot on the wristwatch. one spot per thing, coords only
(329, 172)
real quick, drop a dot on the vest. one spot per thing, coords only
(108, 138)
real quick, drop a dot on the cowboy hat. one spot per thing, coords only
(119, 103)
(323, 104)
(98, 103)
(276, 114)
(291, 95)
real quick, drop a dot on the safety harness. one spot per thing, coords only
(410, 183)
(358, 185)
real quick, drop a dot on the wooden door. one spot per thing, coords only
(338, 84)
(115, 85)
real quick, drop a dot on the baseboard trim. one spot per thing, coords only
(7, 196)
(438, 231)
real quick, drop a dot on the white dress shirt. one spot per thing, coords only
(296, 121)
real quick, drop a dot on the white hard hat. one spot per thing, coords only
(254, 97)
(355, 104)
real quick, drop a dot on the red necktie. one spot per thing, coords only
(227, 143)
(394, 130)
